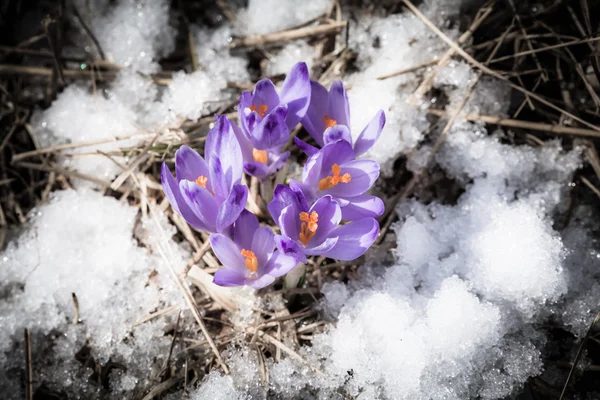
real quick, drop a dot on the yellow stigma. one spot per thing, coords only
(329, 122)
(309, 226)
(260, 156)
(334, 179)
(251, 261)
(262, 109)
(201, 181)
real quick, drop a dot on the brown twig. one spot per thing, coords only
(119, 180)
(593, 158)
(409, 69)
(175, 334)
(19, 122)
(55, 56)
(293, 34)
(185, 291)
(88, 32)
(591, 186)
(489, 71)
(426, 83)
(159, 79)
(518, 35)
(163, 387)
(588, 86)
(515, 123)
(270, 339)
(578, 355)
(28, 366)
(66, 172)
(156, 314)
(67, 146)
(524, 33)
(75, 308)
(543, 49)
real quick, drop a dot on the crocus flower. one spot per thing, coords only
(334, 171)
(250, 258)
(328, 119)
(316, 230)
(208, 194)
(267, 117)
(260, 163)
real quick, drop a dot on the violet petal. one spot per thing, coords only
(354, 239)
(280, 264)
(265, 94)
(323, 248)
(370, 134)
(289, 222)
(283, 197)
(201, 203)
(306, 148)
(313, 120)
(224, 158)
(256, 169)
(330, 216)
(247, 118)
(272, 131)
(363, 206)
(290, 248)
(339, 107)
(260, 282)
(228, 253)
(244, 228)
(339, 152)
(229, 278)
(296, 93)
(190, 165)
(363, 175)
(232, 207)
(335, 133)
(173, 193)
(244, 142)
(263, 245)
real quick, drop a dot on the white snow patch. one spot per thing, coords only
(133, 33)
(282, 61)
(81, 243)
(266, 16)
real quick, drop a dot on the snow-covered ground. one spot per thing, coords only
(447, 308)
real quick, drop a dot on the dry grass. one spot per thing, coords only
(514, 47)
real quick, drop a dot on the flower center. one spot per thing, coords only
(260, 156)
(334, 179)
(201, 181)
(262, 109)
(251, 261)
(329, 122)
(309, 226)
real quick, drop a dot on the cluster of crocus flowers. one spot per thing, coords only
(326, 213)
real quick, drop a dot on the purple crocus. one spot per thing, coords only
(266, 119)
(208, 194)
(250, 258)
(328, 120)
(260, 163)
(316, 230)
(334, 171)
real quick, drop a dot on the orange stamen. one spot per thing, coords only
(260, 156)
(262, 109)
(329, 122)
(201, 181)
(309, 226)
(334, 179)
(251, 261)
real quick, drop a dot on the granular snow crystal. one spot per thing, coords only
(80, 245)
